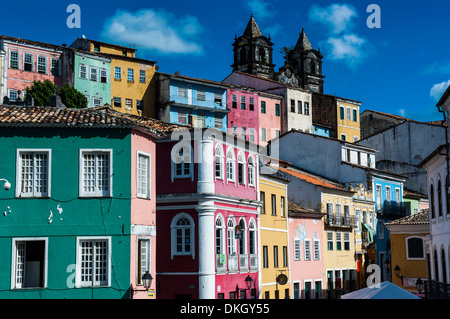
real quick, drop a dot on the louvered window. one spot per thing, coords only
(96, 173)
(33, 178)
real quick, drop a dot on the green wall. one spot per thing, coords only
(79, 217)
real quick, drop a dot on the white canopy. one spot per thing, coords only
(386, 290)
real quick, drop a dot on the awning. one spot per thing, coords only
(370, 230)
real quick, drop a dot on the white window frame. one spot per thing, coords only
(14, 270)
(423, 248)
(316, 249)
(218, 157)
(38, 64)
(10, 91)
(139, 192)
(251, 171)
(231, 170)
(308, 249)
(19, 169)
(91, 73)
(142, 76)
(18, 59)
(78, 268)
(55, 70)
(82, 65)
(182, 160)
(330, 239)
(140, 270)
(173, 236)
(241, 161)
(130, 75)
(96, 193)
(344, 240)
(24, 54)
(105, 75)
(97, 99)
(297, 249)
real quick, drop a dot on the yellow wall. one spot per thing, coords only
(136, 90)
(348, 127)
(274, 232)
(409, 268)
(338, 260)
(112, 49)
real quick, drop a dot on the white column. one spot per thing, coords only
(206, 260)
(206, 210)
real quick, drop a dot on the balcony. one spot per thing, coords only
(337, 220)
(436, 290)
(393, 210)
(236, 263)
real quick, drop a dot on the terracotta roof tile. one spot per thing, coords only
(316, 180)
(416, 219)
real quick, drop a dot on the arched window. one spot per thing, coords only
(218, 160)
(231, 163)
(439, 195)
(243, 55)
(415, 248)
(432, 206)
(436, 266)
(252, 238)
(182, 235)
(243, 240)
(231, 241)
(262, 55)
(219, 235)
(241, 169)
(444, 268)
(251, 171)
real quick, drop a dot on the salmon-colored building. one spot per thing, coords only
(26, 61)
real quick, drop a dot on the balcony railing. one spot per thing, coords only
(436, 290)
(341, 221)
(233, 263)
(236, 263)
(393, 210)
(243, 263)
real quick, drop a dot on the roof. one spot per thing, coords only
(187, 78)
(312, 179)
(296, 210)
(252, 30)
(444, 97)
(422, 218)
(99, 117)
(30, 42)
(110, 44)
(386, 290)
(433, 154)
(303, 42)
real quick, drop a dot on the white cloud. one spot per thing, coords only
(402, 112)
(259, 8)
(156, 30)
(438, 90)
(349, 48)
(343, 44)
(337, 17)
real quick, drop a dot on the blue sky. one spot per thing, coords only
(401, 68)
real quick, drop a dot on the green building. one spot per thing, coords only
(89, 73)
(66, 223)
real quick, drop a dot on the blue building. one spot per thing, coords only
(321, 130)
(189, 101)
(388, 196)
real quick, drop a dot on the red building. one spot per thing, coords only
(207, 216)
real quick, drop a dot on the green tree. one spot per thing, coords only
(70, 97)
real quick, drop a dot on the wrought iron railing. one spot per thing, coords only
(436, 290)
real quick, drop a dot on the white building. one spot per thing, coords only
(437, 166)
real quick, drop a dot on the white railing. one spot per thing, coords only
(221, 264)
(232, 263)
(253, 262)
(243, 263)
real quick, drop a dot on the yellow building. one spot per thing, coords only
(364, 212)
(409, 250)
(274, 238)
(339, 241)
(348, 128)
(131, 77)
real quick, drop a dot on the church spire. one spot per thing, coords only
(303, 42)
(252, 29)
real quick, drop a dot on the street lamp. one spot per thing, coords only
(398, 273)
(419, 285)
(146, 282)
(387, 264)
(248, 281)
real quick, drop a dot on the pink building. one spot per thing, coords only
(143, 208)
(305, 230)
(25, 61)
(243, 117)
(207, 217)
(269, 116)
